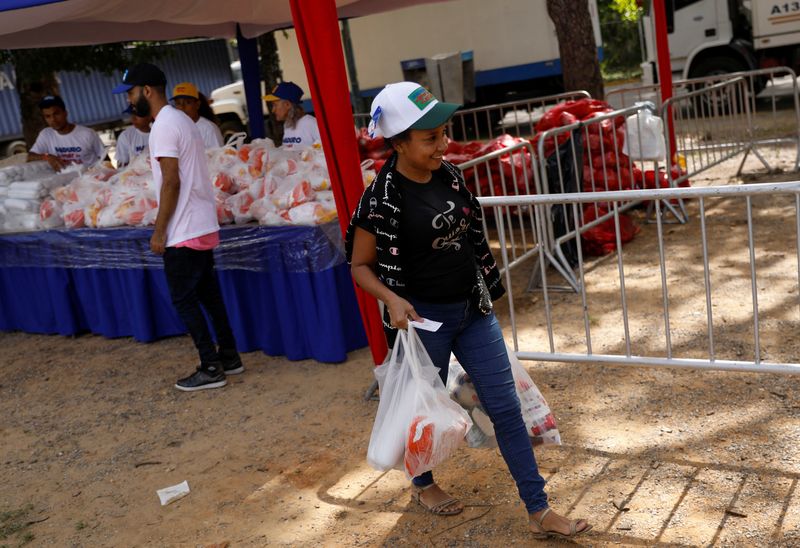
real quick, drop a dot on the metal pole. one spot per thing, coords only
(248, 55)
(352, 73)
(664, 64)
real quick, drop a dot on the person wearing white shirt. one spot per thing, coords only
(186, 229)
(300, 130)
(186, 97)
(133, 141)
(62, 142)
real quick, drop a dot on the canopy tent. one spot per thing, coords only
(47, 23)
(50, 23)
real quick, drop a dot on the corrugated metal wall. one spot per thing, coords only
(88, 96)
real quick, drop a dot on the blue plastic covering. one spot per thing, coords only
(295, 299)
(8, 5)
(249, 247)
(88, 97)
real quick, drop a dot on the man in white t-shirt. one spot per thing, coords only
(299, 129)
(186, 230)
(133, 141)
(62, 142)
(186, 97)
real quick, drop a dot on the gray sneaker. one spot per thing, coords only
(204, 378)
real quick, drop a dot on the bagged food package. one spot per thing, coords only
(239, 204)
(260, 208)
(107, 218)
(224, 213)
(50, 214)
(26, 190)
(291, 192)
(274, 217)
(20, 204)
(17, 220)
(538, 418)
(311, 213)
(417, 425)
(73, 215)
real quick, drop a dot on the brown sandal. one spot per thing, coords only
(437, 509)
(546, 533)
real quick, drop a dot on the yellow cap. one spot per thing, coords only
(185, 89)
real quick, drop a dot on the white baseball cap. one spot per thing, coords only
(407, 105)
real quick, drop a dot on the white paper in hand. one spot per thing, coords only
(427, 325)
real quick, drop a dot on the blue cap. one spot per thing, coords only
(288, 91)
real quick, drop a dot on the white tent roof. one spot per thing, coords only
(81, 22)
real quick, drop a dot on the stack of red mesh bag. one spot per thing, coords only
(604, 166)
(514, 167)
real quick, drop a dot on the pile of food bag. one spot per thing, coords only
(254, 182)
(23, 188)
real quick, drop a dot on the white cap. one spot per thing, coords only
(405, 105)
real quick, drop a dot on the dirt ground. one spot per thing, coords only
(665, 457)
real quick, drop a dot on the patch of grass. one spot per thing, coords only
(15, 523)
(80, 526)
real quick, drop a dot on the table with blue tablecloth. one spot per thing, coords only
(287, 289)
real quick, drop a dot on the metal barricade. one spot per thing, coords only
(709, 342)
(516, 118)
(712, 125)
(770, 124)
(511, 231)
(587, 157)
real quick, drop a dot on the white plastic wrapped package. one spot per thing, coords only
(20, 204)
(292, 192)
(311, 213)
(539, 420)
(417, 425)
(16, 220)
(239, 204)
(50, 214)
(644, 135)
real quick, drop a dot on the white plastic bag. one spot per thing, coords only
(417, 425)
(539, 420)
(644, 135)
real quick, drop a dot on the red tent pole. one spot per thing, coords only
(664, 66)
(317, 27)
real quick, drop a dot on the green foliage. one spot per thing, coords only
(36, 64)
(619, 27)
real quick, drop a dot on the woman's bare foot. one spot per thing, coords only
(437, 501)
(546, 522)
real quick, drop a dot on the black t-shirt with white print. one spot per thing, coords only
(438, 260)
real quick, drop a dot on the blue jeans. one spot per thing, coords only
(477, 342)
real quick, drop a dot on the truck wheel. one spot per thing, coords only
(230, 127)
(14, 147)
(719, 66)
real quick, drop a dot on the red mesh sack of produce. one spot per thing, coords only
(601, 239)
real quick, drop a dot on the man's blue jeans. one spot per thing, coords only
(477, 342)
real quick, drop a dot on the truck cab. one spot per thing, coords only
(706, 38)
(230, 106)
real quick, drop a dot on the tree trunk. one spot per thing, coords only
(271, 73)
(576, 45)
(30, 92)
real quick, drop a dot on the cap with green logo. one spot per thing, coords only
(407, 105)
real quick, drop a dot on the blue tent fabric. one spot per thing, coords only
(294, 297)
(9, 5)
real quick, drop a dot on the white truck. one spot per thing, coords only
(710, 37)
(512, 44)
